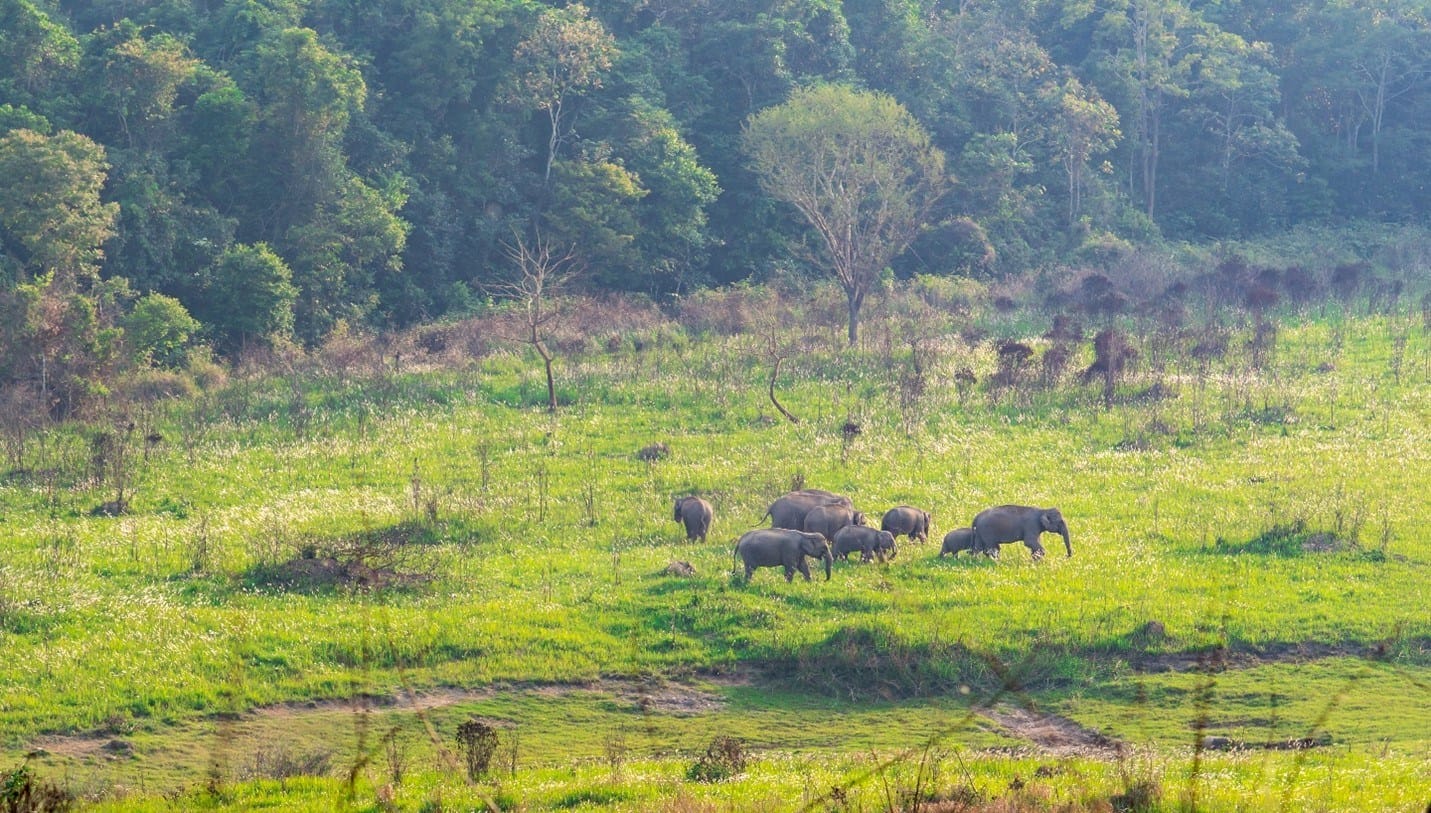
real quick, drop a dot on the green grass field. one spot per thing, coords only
(1250, 568)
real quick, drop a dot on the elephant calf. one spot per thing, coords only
(780, 547)
(957, 540)
(696, 514)
(869, 542)
(906, 520)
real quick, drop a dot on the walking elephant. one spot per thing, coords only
(784, 548)
(957, 540)
(869, 542)
(789, 511)
(826, 520)
(696, 514)
(906, 520)
(1018, 523)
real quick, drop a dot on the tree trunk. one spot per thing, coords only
(855, 298)
(783, 411)
(551, 381)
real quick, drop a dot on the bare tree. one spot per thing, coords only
(543, 271)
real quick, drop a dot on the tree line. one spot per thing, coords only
(250, 169)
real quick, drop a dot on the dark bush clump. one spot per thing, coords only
(22, 792)
(724, 758)
(478, 742)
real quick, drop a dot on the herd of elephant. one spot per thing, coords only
(815, 524)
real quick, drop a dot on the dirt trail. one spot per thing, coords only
(660, 697)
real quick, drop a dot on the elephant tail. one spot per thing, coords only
(978, 540)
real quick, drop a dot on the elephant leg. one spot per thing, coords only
(748, 571)
(1035, 547)
(804, 568)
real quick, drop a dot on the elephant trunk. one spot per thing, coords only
(829, 561)
(1067, 545)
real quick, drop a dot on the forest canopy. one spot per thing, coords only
(295, 168)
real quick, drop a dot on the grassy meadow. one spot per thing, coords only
(328, 566)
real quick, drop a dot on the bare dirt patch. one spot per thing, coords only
(1051, 733)
(75, 747)
(1223, 659)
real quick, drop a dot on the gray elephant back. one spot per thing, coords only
(827, 519)
(790, 509)
(906, 520)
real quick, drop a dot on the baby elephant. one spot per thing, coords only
(908, 521)
(696, 514)
(957, 540)
(869, 542)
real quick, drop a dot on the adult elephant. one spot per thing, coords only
(906, 520)
(781, 547)
(825, 520)
(789, 511)
(1018, 523)
(696, 514)
(869, 542)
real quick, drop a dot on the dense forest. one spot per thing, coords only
(239, 170)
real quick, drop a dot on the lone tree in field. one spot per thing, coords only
(858, 167)
(542, 273)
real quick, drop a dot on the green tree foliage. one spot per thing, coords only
(52, 219)
(60, 341)
(1083, 126)
(37, 54)
(858, 168)
(565, 54)
(248, 297)
(386, 150)
(158, 329)
(593, 207)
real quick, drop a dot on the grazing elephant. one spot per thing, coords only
(825, 520)
(957, 540)
(908, 521)
(789, 511)
(781, 547)
(695, 513)
(869, 542)
(1018, 523)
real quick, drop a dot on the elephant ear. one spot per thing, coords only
(1049, 520)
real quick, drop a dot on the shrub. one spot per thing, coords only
(158, 329)
(21, 792)
(149, 386)
(278, 762)
(724, 758)
(478, 742)
(950, 294)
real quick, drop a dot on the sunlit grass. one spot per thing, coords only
(541, 543)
